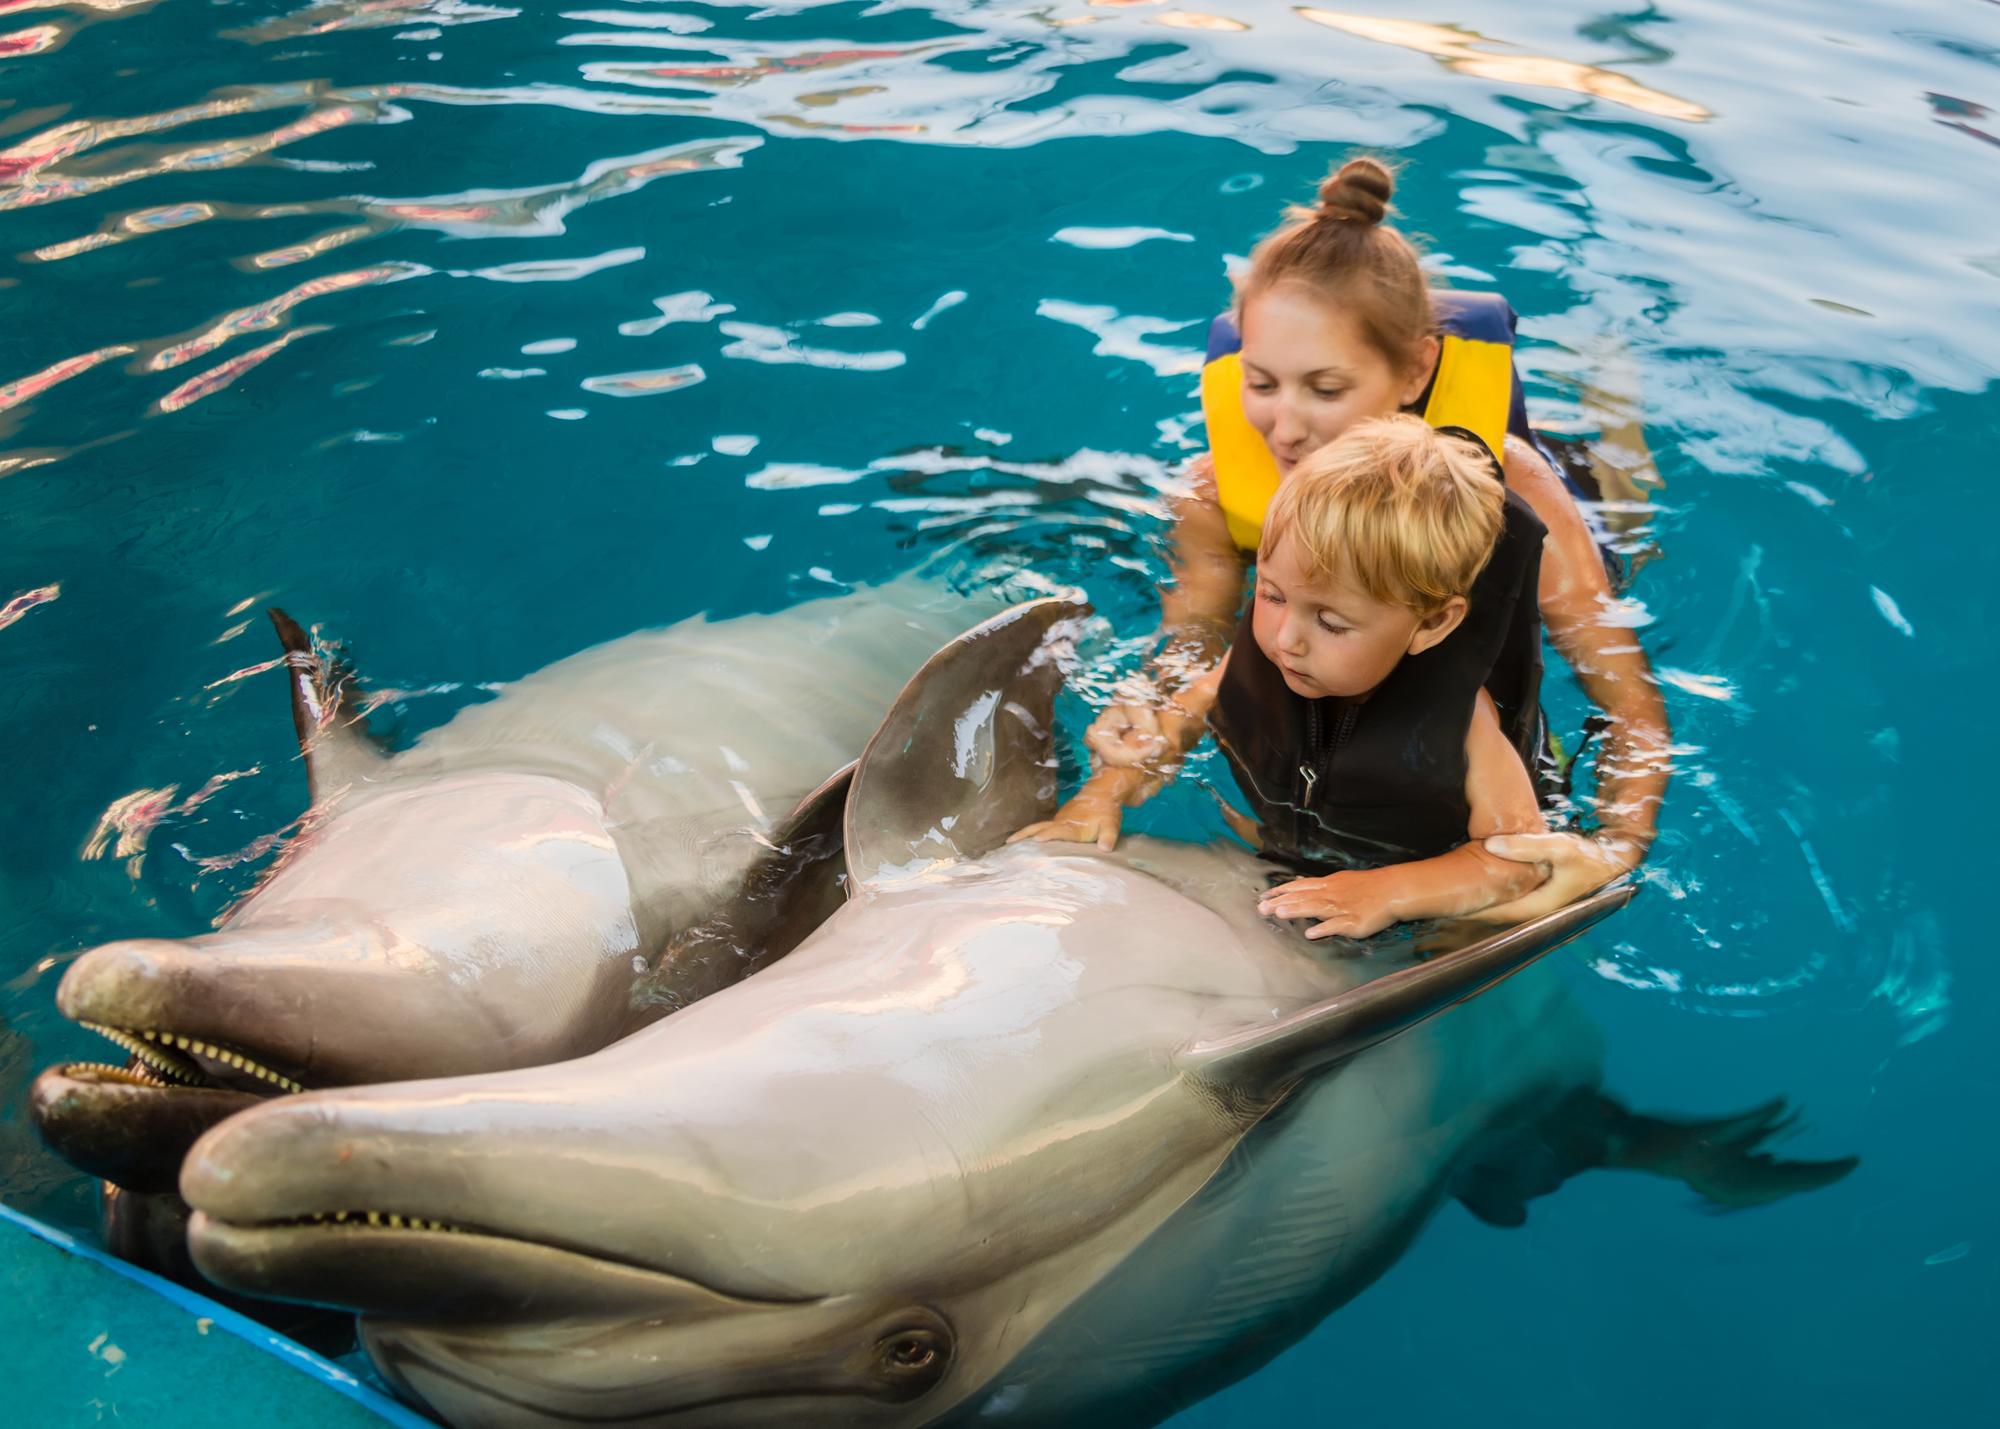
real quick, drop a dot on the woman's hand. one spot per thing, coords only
(1576, 863)
(1127, 735)
(1353, 904)
(1086, 818)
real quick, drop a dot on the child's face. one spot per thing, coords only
(1309, 374)
(1329, 637)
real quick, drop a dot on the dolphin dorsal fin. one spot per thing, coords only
(963, 758)
(1260, 1062)
(333, 732)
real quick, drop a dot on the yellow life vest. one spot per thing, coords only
(1474, 387)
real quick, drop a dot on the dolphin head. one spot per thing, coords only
(847, 1190)
(440, 926)
(431, 927)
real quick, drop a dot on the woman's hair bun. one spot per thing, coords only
(1357, 192)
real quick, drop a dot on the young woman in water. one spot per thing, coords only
(1335, 323)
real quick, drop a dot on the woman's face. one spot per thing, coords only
(1309, 374)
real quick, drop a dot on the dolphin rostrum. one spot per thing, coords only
(1033, 1135)
(477, 901)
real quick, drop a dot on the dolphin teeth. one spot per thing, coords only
(172, 1069)
(137, 1074)
(389, 1220)
(156, 1054)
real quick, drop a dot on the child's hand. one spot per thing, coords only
(1353, 904)
(1086, 818)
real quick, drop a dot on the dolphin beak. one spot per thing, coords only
(185, 1010)
(123, 1128)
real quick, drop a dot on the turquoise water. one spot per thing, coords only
(108, 1339)
(357, 275)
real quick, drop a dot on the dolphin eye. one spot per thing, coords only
(913, 1352)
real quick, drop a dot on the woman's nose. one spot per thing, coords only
(1288, 425)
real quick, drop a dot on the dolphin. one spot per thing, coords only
(1032, 1135)
(477, 901)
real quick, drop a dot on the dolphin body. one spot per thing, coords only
(477, 901)
(1034, 1135)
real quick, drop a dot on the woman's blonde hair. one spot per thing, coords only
(1408, 514)
(1339, 249)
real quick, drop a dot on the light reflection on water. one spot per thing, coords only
(327, 304)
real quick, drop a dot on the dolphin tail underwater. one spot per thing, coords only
(1031, 1135)
(1724, 1159)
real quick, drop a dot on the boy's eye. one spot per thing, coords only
(1265, 593)
(1332, 627)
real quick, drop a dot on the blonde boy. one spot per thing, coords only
(1352, 708)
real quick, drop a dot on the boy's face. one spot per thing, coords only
(1329, 637)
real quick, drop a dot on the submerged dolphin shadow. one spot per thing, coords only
(1035, 1134)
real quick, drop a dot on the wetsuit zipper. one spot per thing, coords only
(1312, 768)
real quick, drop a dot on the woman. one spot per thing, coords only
(1334, 324)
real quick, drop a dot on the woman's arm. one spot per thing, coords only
(1634, 755)
(1453, 885)
(1198, 611)
(1095, 812)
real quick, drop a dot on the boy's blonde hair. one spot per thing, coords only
(1408, 514)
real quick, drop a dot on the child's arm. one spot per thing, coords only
(1453, 885)
(1095, 812)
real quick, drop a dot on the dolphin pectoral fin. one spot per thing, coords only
(1260, 1062)
(333, 732)
(1725, 1160)
(963, 758)
(791, 888)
